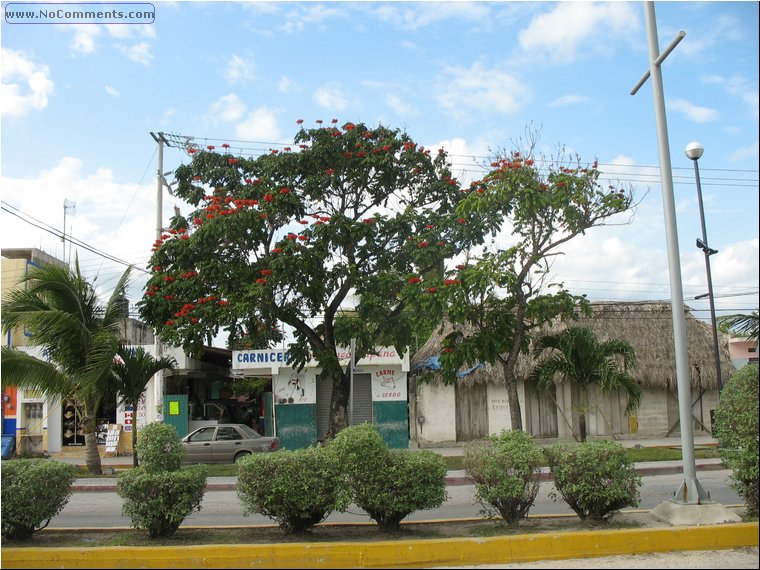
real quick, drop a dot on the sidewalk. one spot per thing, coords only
(454, 477)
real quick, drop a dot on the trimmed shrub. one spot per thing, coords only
(389, 484)
(506, 470)
(297, 489)
(158, 495)
(33, 492)
(596, 479)
(159, 447)
(159, 501)
(737, 427)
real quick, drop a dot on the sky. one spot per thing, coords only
(80, 101)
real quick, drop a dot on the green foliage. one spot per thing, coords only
(736, 428)
(506, 470)
(595, 478)
(160, 448)
(286, 236)
(741, 324)
(576, 355)
(297, 489)
(78, 335)
(389, 484)
(500, 297)
(33, 492)
(159, 501)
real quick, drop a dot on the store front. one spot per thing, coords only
(301, 399)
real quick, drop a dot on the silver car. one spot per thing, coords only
(225, 443)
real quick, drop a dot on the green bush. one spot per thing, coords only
(158, 501)
(506, 470)
(159, 447)
(33, 492)
(389, 484)
(595, 478)
(736, 427)
(158, 495)
(297, 489)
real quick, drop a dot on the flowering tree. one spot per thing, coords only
(350, 214)
(502, 295)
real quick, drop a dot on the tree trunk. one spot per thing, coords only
(582, 414)
(91, 454)
(515, 413)
(134, 440)
(341, 384)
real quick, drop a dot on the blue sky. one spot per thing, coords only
(79, 103)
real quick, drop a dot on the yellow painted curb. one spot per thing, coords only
(394, 554)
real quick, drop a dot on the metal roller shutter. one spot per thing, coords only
(362, 396)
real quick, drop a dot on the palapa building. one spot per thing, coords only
(477, 404)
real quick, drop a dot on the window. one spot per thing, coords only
(228, 434)
(205, 434)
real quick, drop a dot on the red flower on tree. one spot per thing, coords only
(232, 160)
(413, 280)
(266, 271)
(299, 121)
(261, 281)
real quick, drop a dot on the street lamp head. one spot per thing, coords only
(694, 150)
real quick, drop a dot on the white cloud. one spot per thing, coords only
(466, 158)
(481, 89)
(260, 125)
(139, 53)
(227, 109)
(399, 105)
(693, 112)
(114, 217)
(751, 151)
(309, 16)
(25, 86)
(84, 38)
(112, 91)
(238, 70)
(284, 85)
(569, 99)
(739, 87)
(560, 34)
(331, 97)
(415, 15)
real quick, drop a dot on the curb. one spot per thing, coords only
(105, 485)
(423, 553)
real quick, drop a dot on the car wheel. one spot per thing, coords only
(240, 456)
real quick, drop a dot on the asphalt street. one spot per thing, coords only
(102, 509)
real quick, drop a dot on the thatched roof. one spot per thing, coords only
(645, 325)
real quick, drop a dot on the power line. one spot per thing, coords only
(42, 225)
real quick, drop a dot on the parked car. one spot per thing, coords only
(225, 443)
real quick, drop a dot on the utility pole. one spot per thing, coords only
(690, 504)
(158, 385)
(690, 492)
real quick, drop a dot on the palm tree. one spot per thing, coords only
(132, 371)
(577, 356)
(79, 338)
(741, 324)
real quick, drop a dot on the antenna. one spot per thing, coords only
(68, 205)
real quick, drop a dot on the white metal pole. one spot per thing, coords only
(158, 385)
(690, 491)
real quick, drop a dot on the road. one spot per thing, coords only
(97, 509)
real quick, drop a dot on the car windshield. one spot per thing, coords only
(250, 433)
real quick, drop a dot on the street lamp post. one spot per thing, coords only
(694, 151)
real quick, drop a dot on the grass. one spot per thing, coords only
(456, 463)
